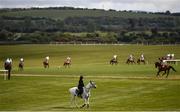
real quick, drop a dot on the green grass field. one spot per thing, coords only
(119, 88)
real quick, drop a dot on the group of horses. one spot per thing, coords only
(165, 68)
(86, 90)
(66, 64)
(139, 61)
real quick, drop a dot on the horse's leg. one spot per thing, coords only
(72, 100)
(88, 103)
(164, 73)
(85, 100)
(167, 73)
(127, 62)
(158, 73)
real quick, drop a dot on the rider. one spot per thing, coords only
(68, 59)
(47, 59)
(21, 60)
(80, 86)
(162, 62)
(131, 58)
(114, 57)
(142, 57)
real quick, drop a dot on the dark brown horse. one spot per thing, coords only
(46, 64)
(165, 68)
(139, 61)
(113, 61)
(21, 65)
(130, 61)
(8, 66)
(67, 64)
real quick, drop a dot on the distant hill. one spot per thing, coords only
(63, 13)
(68, 24)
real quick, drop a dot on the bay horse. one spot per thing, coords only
(113, 61)
(85, 95)
(8, 66)
(166, 69)
(21, 65)
(46, 64)
(67, 64)
(130, 61)
(139, 61)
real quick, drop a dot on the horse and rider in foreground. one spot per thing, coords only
(114, 60)
(67, 62)
(82, 92)
(162, 66)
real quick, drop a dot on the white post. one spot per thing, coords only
(5, 73)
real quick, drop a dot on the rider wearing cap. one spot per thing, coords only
(115, 58)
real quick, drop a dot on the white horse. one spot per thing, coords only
(85, 94)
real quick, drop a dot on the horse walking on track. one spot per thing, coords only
(165, 68)
(21, 65)
(46, 64)
(85, 95)
(130, 61)
(139, 61)
(67, 64)
(112, 62)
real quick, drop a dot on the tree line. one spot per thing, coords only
(118, 29)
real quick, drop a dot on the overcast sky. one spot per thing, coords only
(143, 5)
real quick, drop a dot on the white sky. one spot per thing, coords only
(143, 5)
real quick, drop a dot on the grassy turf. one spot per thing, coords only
(122, 87)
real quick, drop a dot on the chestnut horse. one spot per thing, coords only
(165, 68)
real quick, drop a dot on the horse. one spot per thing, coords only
(8, 66)
(85, 95)
(130, 61)
(166, 69)
(112, 62)
(21, 65)
(67, 64)
(46, 64)
(139, 61)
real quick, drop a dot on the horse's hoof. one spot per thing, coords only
(83, 106)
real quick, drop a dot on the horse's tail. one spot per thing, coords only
(172, 68)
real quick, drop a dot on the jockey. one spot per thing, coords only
(163, 62)
(131, 58)
(115, 57)
(8, 61)
(168, 56)
(142, 57)
(68, 59)
(47, 59)
(172, 56)
(80, 86)
(21, 60)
